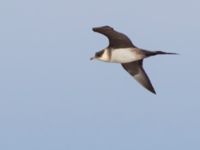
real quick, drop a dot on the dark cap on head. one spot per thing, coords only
(99, 54)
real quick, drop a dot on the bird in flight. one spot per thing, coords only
(122, 50)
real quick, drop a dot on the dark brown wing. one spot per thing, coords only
(136, 70)
(116, 39)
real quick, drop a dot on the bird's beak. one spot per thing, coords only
(91, 58)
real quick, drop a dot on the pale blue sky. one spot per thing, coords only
(53, 98)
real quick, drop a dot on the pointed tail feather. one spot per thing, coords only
(161, 52)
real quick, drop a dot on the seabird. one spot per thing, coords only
(122, 50)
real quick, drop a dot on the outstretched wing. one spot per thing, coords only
(116, 39)
(136, 70)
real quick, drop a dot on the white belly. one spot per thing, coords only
(124, 55)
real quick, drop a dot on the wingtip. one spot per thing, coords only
(152, 91)
(96, 29)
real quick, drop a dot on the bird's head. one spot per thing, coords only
(97, 55)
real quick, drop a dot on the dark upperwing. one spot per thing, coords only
(116, 39)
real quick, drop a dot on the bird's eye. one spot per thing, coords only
(98, 54)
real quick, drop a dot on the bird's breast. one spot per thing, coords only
(124, 55)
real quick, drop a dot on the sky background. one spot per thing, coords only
(52, 97)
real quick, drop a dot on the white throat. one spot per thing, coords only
(105, 56)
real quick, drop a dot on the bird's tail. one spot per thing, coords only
(153, 53)
(163, 53)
